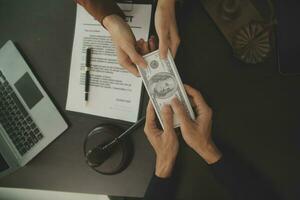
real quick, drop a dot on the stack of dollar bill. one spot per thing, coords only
(163, 83)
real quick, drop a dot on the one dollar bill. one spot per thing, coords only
(163, 83)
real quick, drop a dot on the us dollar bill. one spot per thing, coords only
(163, 83)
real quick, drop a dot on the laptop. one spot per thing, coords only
(29, 121)
(288, 36)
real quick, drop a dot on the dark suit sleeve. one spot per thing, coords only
(161, 189)
(241, 180)
(99, 9)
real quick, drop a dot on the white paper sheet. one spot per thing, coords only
(114, 92)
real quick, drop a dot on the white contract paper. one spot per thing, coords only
(114, 92)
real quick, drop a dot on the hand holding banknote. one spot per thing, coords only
(197, 133)
(163, 83)
(164, 142)
(125, 42)
(166, 27)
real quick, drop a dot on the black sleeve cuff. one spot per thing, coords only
(225, 170)
(161, 189)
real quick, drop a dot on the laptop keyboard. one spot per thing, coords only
(15, 119)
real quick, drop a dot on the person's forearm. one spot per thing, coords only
(162, 185)
(242, 181)
(164, 168)
(165, 2)
(100, 9)
(209, 152)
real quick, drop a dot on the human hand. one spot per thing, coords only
(125, 43)
(197, 133)
(164, 142)
(144, 47)
(166, 27)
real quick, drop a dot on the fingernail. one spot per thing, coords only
(163, 57)
(174, 100)
(144, 65)
(166, 107)
(137, 75)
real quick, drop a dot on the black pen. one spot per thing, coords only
(87, 73)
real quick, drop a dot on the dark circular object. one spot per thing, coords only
(112, 160)
(154, 64)
(230, 9)
(252, 44)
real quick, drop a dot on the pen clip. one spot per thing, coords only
(88, 57)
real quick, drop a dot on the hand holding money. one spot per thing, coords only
(197, 133)
(163, 83)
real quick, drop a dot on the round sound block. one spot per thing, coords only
(121, 154)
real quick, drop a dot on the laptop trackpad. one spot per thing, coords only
(28, 90)
(3, 165)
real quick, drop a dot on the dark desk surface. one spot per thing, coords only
(256, 110)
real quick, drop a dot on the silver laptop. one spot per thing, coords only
(29, 121)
